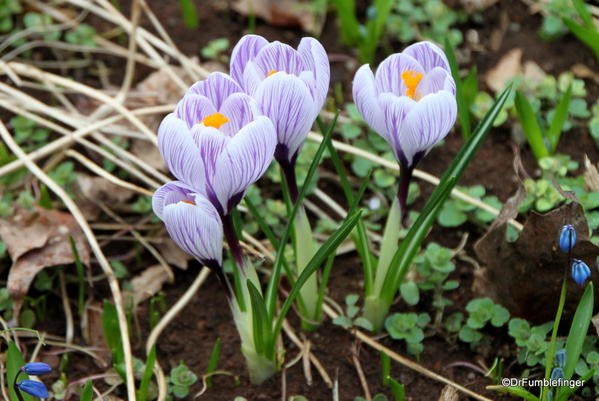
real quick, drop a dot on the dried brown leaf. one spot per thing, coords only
(449, 393)
(146, 284)
(36, 240)
(173, 254)
(508, 66)
(287, 13)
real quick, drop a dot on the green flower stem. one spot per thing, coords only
(375, 308)
(304, 251)
(260, 368)
(551, 353)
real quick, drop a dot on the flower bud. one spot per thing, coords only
(557, 373)
(567, 238)
(36, 368)
(580, 271)
(34, 388)
(560, 358)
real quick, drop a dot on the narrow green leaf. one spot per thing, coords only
(110, 324)
(463, 105)
(349, 25)
(397, 389)
(410, 245)
(385, 368)
(579, 329)
(563, 393)
(273, 284)
(189, 14)
(584, 13)
(80, 277)
(530, 125)
(260, 321)
(14, 361)
(325, 250)
(559, 118)
(142, 393)
(589, 37)
(213, 361)
(374, 30)
(88, 392)
(515, 390)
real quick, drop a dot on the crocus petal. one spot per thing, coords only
(243, 161)
(252, 77)
(34, 388)
(317, 61)
(428, 54)
(217, 87)
(196, 227)
(210, 143)
(427, 123)
(245, 50)
(365, 97)
(286, 100)
(395, 109)
(193, 108)
(388, 75)
(171, 192)
(240, 109)
(434, 81)
(180, 152)
(277, 56)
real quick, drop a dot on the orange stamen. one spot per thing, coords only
(271, 73)
(411, 80)
(190, 202)
(214, 120)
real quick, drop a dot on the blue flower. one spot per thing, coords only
(557, 373)
(560, 358)
(33, 388)
(36, 368)
(580, 271)
(567, 238)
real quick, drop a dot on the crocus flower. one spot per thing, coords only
(34, 388)
(410, 102)
(192, 222)
(567, 238)
(289, 85)
(580, 271)
(36, 368)
(217, 143)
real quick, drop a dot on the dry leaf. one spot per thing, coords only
(591, 174)
(449, 393)
(36, 240)
(525, 276)
(146, 284)
(173, 254)
(508, 67)
(148, 152)
(287, 13)
(159, 87)
(582, 71)
(533, 73)
(93, 333)
(595, 321)
(92, 190)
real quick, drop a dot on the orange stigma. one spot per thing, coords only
(411, 80)
(271, 73)
(214, 120)
(190, 202)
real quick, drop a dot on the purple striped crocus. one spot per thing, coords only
(217, 142)
(410, 102)
(290, 87)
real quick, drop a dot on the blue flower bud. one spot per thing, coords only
(560, 358)
(580, 271)
(36, 368)
(549, 395)
(567, 238)
(557, 373)
(33, 388)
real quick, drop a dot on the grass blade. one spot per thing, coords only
(325, 250)
(349, 29)
(374, 30)
(515, 390)
(559, 118)
(579, 330)
(410, 245)
(88, 392)
(80, 277)
(142, 393)
(273, 284)
(189, 14)
(14, 361)
(463, 104)
(213, 361)
(532, 129)
(583, 13)
(260, 321)
(588, 36)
